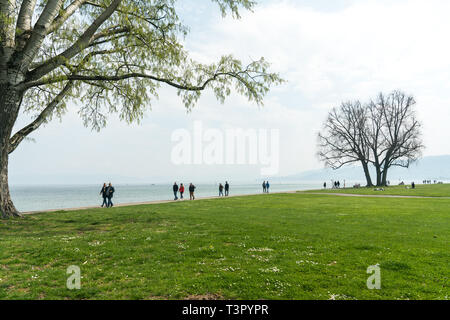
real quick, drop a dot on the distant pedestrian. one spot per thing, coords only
(221, 190)
(324, 185)
(413, 185)
(181, 191)
(191, 191)
(175, 191)
(105, 197)
(227, 189)
(109, 194)
(264, 187)
(267, 186)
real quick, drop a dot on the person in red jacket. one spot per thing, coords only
(181, 191)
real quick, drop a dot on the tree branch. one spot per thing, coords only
(25, 57)
(65, 14)
(23, 133)
(77, 47)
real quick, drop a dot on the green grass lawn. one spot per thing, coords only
(437, 190)
(284, 246)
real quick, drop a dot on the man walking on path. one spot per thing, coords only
(175, 191)
(220, 190)
(191, 191)
(181, 191)
(103, 193)
(227, 189)
(110, 193)
(267, 186)
(264, 187)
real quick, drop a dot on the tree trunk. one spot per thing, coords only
(384, 180)
(367, 173)
(9, 109)
(379, 175)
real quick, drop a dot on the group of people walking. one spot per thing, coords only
(107, 193)
(334, 185)
(266, 186)
(181, 190)
(226, 188)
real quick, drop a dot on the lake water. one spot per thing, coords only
(35, 198)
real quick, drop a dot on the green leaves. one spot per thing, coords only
(131, 54)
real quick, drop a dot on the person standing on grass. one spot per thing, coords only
(220, 190)
(264, 187)
(181, 191)
(267, 186)
(175, 191)
(324, 185)
(103, 193)
(110, 193)
(191, 191)
(227, 189)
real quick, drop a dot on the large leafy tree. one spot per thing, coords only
(111, 56)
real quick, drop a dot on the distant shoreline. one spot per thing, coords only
(132, 204)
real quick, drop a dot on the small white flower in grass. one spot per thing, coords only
(260, 250)
(95, 243)
(306, 262)
(271, 270)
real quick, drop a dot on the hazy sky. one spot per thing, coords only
(329, 51)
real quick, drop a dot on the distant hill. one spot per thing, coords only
(428, 168)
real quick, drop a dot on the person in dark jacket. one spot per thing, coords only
(264, 187)
(103, 194)
(220, 190)
(191, 191)
(109, 194)
(175, 191)
(267, 186)
(227, 189)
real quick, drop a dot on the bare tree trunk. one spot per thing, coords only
(379, 175)
(9, 109)
(367, 174)
(384, 179)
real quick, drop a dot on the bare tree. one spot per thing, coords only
(342, 141)
(398, 141)
(383, 133)
(110, 56)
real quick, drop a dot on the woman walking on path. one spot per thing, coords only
(181, 191)
(191, 191)
(220, 190)
(103, 193)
